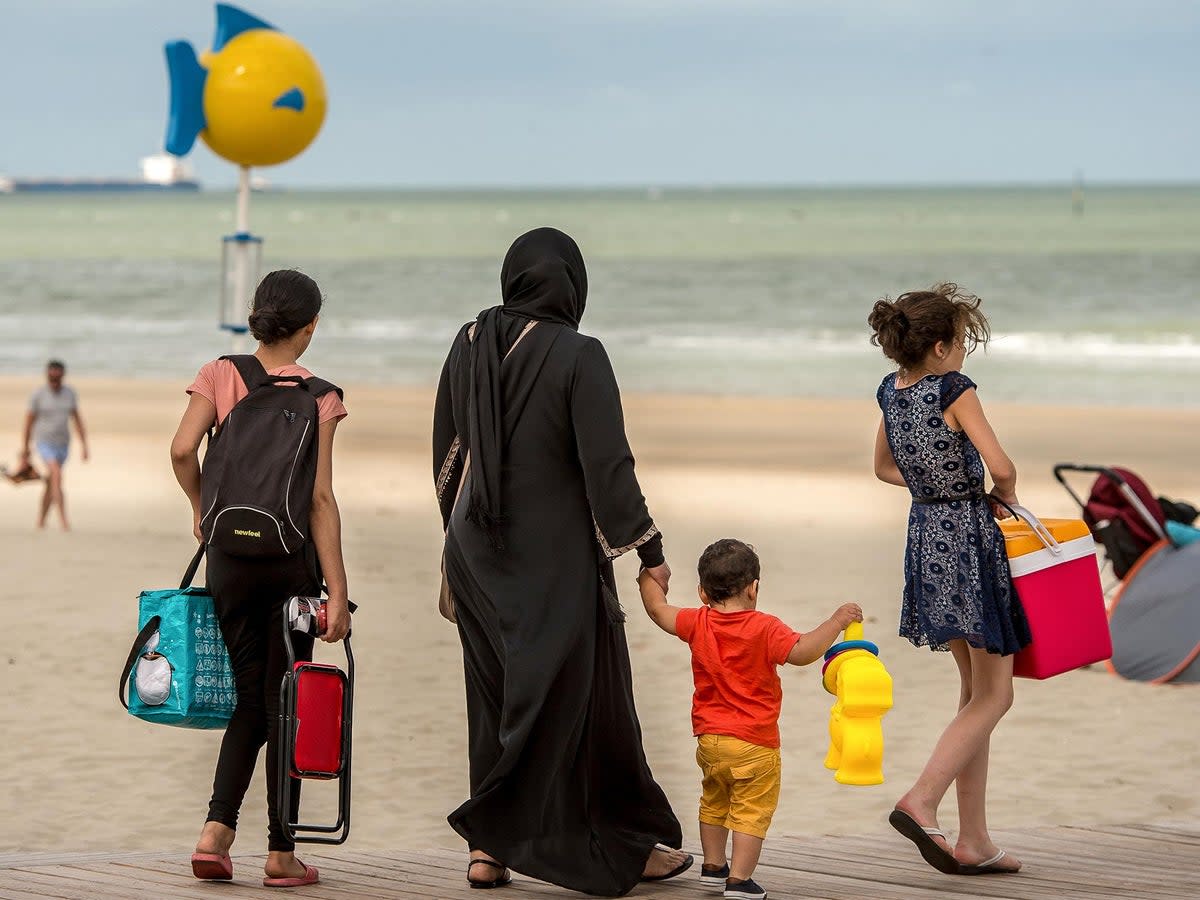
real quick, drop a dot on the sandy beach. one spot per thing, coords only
(792, 477)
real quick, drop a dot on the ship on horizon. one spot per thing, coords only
(160, 172)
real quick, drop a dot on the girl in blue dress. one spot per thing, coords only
(935, 440)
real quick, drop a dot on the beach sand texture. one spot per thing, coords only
(792, 477)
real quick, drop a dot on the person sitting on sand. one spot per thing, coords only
(935, 441)
(52, 408)
(735, 710)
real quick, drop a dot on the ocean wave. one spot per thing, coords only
(1094, 346)
(1066, 349)
(73, 325)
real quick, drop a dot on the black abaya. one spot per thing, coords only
(560, 786)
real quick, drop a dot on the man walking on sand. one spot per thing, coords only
(51, 408)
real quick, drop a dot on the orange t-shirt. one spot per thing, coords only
(734, 658)
(220, 383)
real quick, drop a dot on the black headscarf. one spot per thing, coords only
(543, 279)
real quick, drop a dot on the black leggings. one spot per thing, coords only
(248, 595)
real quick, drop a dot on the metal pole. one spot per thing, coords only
(242, 251)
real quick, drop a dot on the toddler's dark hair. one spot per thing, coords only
(907, 328)
(726, 568)
(56, 364)
(286, 301)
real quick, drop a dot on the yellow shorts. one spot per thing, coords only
(741, 783)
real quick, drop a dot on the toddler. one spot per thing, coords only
(735, 709)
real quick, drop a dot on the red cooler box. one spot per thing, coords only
(1054, 568)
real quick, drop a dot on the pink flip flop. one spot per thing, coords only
(311, 876)
(212, 866)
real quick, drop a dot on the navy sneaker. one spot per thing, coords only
(714, 876)
(744, 890)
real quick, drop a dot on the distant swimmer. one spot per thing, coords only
(51, 409)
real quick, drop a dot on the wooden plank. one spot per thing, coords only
(782, 883)
(389, 880)
(60, 858)
(893, 863)
(1090, 862)
(448, 868)
(1044, 870)
(333, 883)
(112, 879)
(1035, 874)
(1159, 836)
(1110, 849)
(904, 885)
(42, 884)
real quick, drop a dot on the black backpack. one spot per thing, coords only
(257, 482)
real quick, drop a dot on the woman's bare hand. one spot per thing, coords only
(662, 575)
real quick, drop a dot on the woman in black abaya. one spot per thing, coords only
(538, 496)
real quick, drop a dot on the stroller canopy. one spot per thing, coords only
(1108, 502)
(1155, 617)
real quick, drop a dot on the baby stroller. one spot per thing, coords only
(1154, 616)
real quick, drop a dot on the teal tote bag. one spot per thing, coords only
(178, 669)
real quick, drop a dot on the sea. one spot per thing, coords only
(1093, 295)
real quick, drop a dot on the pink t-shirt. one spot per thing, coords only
(220, 383)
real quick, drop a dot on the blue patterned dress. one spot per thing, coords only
(956, 578)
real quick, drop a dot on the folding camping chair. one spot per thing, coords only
(316, 702)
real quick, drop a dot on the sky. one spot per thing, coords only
(431, 93)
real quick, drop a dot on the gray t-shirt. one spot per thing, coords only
(52, 414)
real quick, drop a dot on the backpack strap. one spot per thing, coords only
(319, 387)
(252, 371)
(134, 652)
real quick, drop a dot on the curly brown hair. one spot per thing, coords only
(907, 328)
(726, 568)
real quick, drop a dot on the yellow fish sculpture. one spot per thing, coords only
(257, 98)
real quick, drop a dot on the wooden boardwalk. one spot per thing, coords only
(1093, 863)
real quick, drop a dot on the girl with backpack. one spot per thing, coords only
(266, 510)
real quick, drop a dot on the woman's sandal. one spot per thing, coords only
(504, 878)
(212, 866)
(311, 876)
(931, 851)
(678, 870)
(987, 867)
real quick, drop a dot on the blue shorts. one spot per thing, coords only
(56, 453)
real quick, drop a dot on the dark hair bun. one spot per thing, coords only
(267, 326)
(285, 302)
(891, 326)
(907, 328)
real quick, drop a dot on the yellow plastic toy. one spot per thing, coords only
(863, 687)
(256, 99)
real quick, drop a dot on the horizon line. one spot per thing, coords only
(713, 187)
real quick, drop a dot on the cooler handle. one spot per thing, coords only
(1040, 531)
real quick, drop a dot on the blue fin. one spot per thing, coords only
(231, 22)
(186, 119)
(293, 99)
